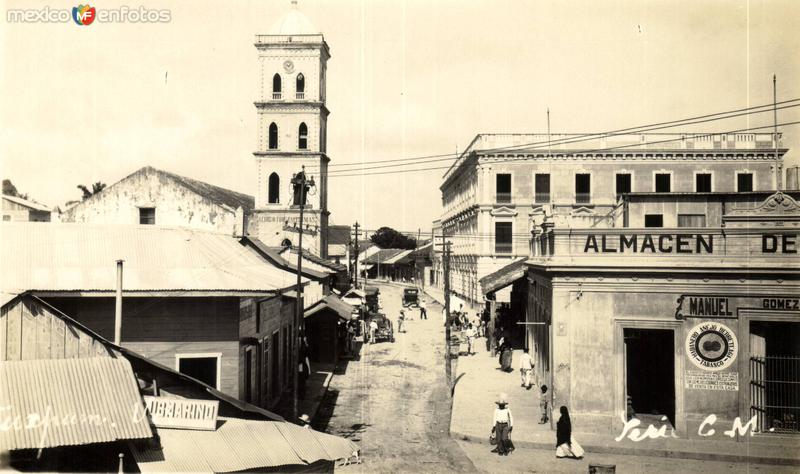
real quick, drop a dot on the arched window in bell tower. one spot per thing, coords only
(276, 86)
(302, 142)
(273, 136)
(274, 189)
(300, 86)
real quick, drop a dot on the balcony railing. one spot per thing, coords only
(276, 96)
(300, 95)
(503, 247)
(542, 198)
(583, 198)
(503, 198)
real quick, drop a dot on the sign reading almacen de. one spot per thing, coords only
(649, 243)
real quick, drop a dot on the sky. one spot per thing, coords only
(81, 104)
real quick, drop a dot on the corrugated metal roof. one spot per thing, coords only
(333, 303)
(27, 203)
(65, 402)
(402, 257)
(503, 277)
(75, 257)
(336, 267)
(238, 445)
(382, 255)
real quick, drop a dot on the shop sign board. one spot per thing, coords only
(183, 413)
(728, 307)
(703, 380)
(712, 346)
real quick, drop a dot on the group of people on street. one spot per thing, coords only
(566, 446)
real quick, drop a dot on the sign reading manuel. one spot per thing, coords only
(182, 413)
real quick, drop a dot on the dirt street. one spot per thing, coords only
(393, 401)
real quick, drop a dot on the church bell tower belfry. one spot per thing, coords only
(292, 133)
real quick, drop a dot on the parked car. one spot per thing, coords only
(410, 297)
(385, 331)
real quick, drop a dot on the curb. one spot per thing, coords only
(665, 453)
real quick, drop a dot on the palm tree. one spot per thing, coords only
(96, 188)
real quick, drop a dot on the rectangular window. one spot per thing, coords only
(663, 182)
(502, 237)
(583, 188)
(503, 188)
(691, 220)
(623, 183)
(744, 182)
(542, 188)
(702, 182)
(204, 368)
(654, 220)
(147, 215)
(6, 218)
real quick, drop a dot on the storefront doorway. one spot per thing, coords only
(775, 375)
(650, 375)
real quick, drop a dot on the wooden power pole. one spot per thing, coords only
(301, 186)
(448, 351)
(355, 281)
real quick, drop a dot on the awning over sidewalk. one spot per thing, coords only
(333, 303)
(68, 402)
(503, 277)
(238, 445)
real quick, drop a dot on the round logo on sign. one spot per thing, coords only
(712, 346)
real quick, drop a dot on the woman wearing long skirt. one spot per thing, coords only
(566, 446)
(506, 356)
(503, 424)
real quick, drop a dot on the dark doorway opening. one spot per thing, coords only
(650, 374)
(203, 369)
(775, 375)
(274, 370)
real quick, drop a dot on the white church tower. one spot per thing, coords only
(292, 133)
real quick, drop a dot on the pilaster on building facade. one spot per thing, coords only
(292, 134)
(504, 187)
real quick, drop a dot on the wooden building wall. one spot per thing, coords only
(30, 330)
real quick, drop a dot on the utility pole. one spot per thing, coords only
(301, 187)
(355, 281)
(448, 367)
(778, 183)
(417, 269)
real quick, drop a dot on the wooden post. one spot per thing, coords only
(118, 306)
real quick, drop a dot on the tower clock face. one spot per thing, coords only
(288, 65)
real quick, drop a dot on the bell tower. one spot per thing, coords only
(292, 133)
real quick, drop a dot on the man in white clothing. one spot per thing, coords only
(526, 369)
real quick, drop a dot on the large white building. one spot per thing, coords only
(503, 187)
(292, 133)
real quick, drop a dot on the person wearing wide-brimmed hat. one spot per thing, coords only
(503, 424)
(305, 421)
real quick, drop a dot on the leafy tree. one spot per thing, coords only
(388, 238)
(96, 188)
(11, 190)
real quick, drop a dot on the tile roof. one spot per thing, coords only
(382, 255)
(338, 267)
(247, 445)
(100, 395)
(70, 257)
(503, 277)
(273, 254)
(232, 199)
(399, 259)
(27, 203)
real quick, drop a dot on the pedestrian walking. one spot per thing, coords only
(401, 321)
(303, 373)
(503, 424)
(506, 357)
(526, 368)
(423, 313)
(566, 446)
(373, 328)
(470, 333)
(543, 402)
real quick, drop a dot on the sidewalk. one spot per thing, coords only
(316, 388)
(479, 381)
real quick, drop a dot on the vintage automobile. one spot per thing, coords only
(372, 297)
(410, 298)
(385, 331)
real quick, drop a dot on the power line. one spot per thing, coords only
(583, 136)
(596, 150)
(548, 145)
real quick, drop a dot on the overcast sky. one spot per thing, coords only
(94, 103)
